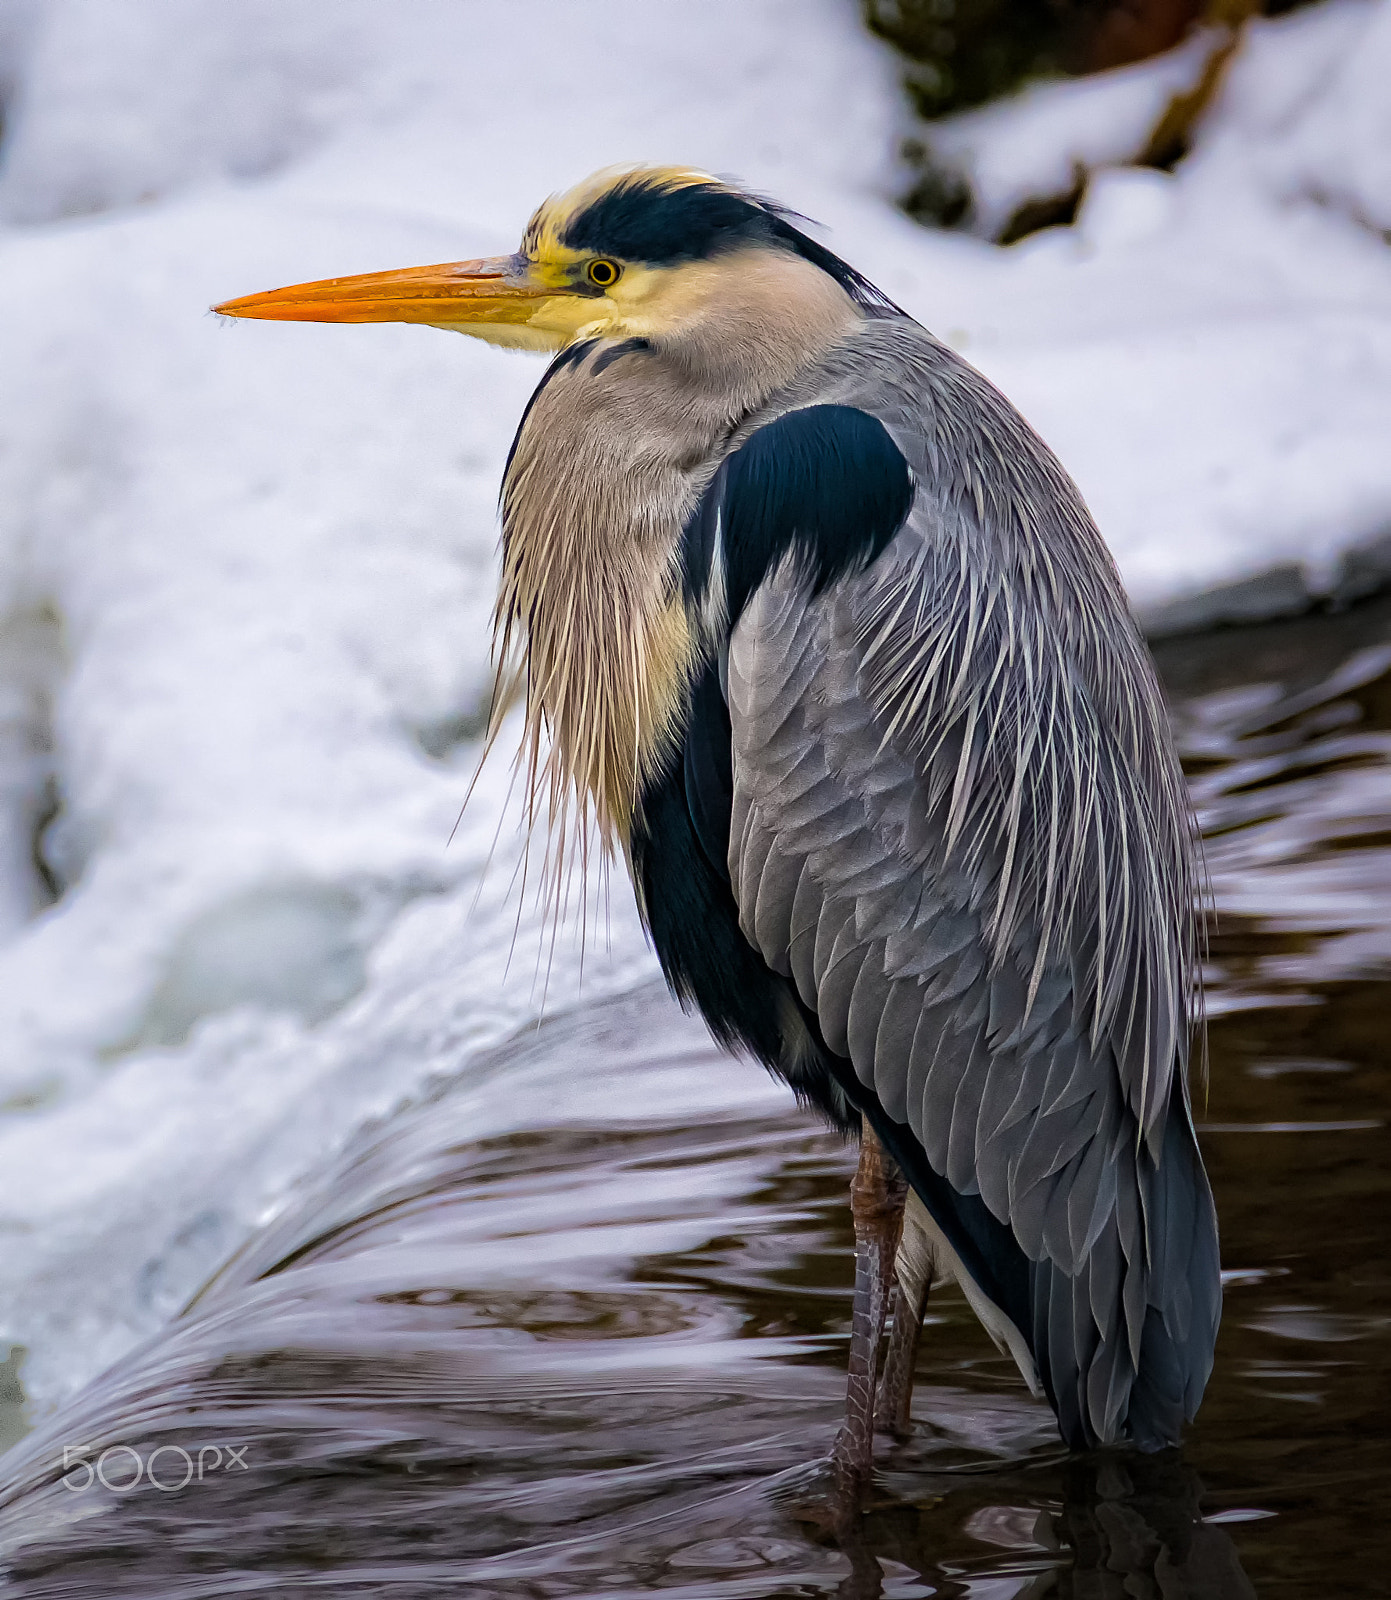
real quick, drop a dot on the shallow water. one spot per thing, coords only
(592, 1357)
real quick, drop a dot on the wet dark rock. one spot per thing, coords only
(965, 52)
(961, 54)
(1280, 592)
(1286, 590)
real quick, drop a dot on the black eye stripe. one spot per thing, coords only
(647, 218)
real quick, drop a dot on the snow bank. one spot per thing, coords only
(245, 571)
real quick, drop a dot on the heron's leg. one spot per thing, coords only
(914, 1267)
(876, 1204)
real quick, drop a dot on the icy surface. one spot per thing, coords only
(245, 571)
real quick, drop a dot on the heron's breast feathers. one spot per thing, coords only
(589, 609)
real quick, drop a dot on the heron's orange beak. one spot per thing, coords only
(459, 294)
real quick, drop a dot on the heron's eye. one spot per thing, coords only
(603, 273)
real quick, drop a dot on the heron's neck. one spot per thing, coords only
(618, 443)
(743, 326)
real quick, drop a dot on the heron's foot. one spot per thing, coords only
(817, 1496)
(830, 1509)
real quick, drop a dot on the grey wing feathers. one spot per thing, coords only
(959, 827)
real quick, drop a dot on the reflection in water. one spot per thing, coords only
(596, 1360)
(1136, 1527)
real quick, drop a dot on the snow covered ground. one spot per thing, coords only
(245, 571)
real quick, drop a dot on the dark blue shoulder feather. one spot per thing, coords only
(826, 483)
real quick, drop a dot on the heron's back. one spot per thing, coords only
(958, 837)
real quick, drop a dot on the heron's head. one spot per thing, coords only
(639, 252)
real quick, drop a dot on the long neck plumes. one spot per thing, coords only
(599, 486)
(608, 464)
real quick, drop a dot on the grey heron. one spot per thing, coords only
(818, 634)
